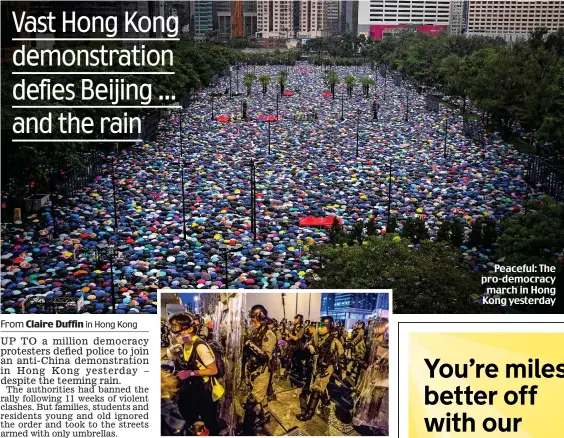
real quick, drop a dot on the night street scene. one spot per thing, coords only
(409, 157)
(247, 363)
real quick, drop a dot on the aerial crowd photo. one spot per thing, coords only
(302, 363)
(306, 145)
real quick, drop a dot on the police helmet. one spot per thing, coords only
(259, 312)
(327, 321)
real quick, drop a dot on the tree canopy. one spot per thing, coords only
(509, 84)
(428, 278)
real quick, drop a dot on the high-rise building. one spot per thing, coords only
(203, 18)
(249, 18)
(275, 18)
(333, 17)
(103, 9)
(222, 19)
(237, 18)
(313, 19)
(458, 17)
(353, 20)
(351, 307)
(376, 18)
(513, 20)
(348, 20)
(296, 17)
(383, 302)
(327, 302)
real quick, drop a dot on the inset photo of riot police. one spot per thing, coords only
(259, 364)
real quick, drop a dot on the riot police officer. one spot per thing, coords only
(294, 339)
(275, 360)
(340, 332)
(327, 354)
(201, 329)
(358, 346)
(259, 346)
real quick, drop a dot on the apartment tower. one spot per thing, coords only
(275, 18)
(513, 20)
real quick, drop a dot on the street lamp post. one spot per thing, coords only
(406, 103)
(223, 248)
(269, 136)
(389, 194)
(114, 196)
(253, 200)
(342, 106)
(212, 105)
(385, 80)
(54, 197)
(357, 123)
(277, 97)
(226, 250)
(230, 91)
(182, 177)
(107, 252)
(237, 67)
(446, 134)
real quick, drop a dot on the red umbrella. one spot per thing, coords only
(326, 94)
(223, 119)
(288, 93)
(312, 221)
(263, 118)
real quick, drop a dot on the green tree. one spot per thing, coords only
(282, 80)
(248, 81)
(350, 81)
(336, 233)
(366, 83)
(371, 227)
(457, 232)
(333, 80)
(443, 234)
(427, 279)
(392, 225)
(534, 238)
(475, 237)
(356, 233)
(264, 79)
(457, 77)
(415, 229)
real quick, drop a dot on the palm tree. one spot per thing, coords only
(264, 80)
(282, 80)
(350, 80)
(248, 81)
(333, 79)
(366, 83)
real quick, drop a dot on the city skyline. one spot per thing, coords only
(275, 20)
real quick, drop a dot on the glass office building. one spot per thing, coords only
(351, 307)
